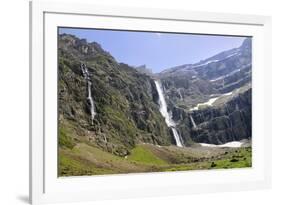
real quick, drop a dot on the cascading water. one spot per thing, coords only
(193, 122)
(177, 137)
(86, 75)
(164, 111)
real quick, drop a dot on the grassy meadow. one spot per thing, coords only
(84, 159)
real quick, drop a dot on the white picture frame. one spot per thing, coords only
(46, 187)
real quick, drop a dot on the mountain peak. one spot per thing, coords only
(247, 43)
(72, 43)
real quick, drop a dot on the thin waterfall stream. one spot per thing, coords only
(86, 75)
(164, 112)
(193, 122)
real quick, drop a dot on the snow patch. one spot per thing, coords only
(231, 73)
(210, 102)
(206, 63)
(233, 144)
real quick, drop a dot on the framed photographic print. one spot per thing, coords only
(129, 102)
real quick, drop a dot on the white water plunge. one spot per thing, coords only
(164, 112)
(89, 98)
(192, 121)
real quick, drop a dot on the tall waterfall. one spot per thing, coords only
(86, 75)
(192, 121)
(164, 111)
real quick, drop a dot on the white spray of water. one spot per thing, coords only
(179, 91)
(177, 137)
(164, 112)
(193, 122)
(86, 75)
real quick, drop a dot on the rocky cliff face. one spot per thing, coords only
(189, 84)
(219, 88)
(230, 121)
(125, 100)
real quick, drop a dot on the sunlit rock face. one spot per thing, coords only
(211, 100)
(106, 103)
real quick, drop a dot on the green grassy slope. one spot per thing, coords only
(84, 159)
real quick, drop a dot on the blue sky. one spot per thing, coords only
(157, 51)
